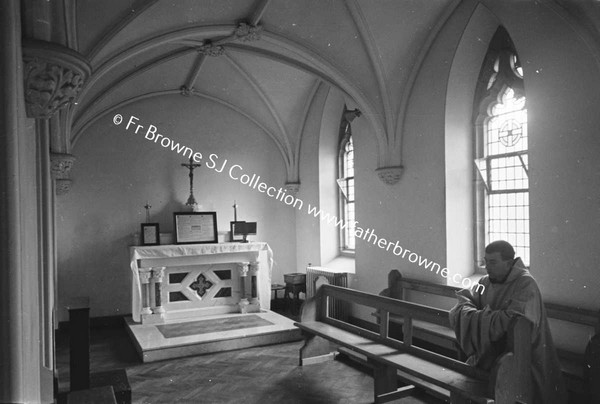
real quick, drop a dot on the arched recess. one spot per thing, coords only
(461, 254)
(327, 160)
(230, 106)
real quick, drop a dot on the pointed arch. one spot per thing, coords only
(461, 252)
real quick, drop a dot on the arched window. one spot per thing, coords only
(501, 150)
(345, 181)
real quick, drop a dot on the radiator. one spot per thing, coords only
(339, 310)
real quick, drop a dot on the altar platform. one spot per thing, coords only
(208, 334)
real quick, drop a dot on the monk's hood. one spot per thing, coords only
(517, 271)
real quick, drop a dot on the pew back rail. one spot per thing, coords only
(508, 382)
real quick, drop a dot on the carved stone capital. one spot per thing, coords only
(54, 76)
(144, 276)
(245, 32)
(292, 188)
(243, 268)
(61, 164)
(158, 274)
(390, 175)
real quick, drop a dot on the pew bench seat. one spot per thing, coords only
(448, 379)
(392, 359)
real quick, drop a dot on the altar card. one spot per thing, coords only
(195, 227)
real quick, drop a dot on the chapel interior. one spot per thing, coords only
(356, 134)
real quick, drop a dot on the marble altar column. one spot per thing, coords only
(145, 285)
(157, 277)
(254, 279)
(254, 305)
(243, 268)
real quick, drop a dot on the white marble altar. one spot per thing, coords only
(195, 280)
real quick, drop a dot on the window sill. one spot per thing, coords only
(342, 263)
(347, 253)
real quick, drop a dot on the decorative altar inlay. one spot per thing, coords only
(177, 297)
(201, 285)
(177, 277)
(223, 274)
(224, 292)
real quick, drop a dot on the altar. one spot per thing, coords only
(184, 295)
(192, 280)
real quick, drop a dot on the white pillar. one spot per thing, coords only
(254, 279)
(157, 276)
(144, 275)
(243, 268)
(20, 363)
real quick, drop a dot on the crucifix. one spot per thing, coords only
(191, 202)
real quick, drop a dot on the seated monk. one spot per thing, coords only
(480, 320)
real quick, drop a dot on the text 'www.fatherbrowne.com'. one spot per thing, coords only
(236, 172)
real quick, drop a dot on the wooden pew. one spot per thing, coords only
(577, 368)
(508, 382)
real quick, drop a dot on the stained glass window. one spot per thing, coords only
(502, 157)
(346, 183)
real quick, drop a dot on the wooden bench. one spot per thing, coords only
(574, 365)
(508, 382)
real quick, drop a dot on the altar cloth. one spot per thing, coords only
(191, 250)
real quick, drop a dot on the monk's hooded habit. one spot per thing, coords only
(480, 321)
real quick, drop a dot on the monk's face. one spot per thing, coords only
(496, 267)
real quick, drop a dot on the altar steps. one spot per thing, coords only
(227, 332)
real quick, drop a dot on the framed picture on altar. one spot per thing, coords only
(150, 234)
(236, 232)
(195, 227)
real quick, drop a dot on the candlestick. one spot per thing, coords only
(147, 206)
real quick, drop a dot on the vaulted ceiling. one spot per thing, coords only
(264, 59)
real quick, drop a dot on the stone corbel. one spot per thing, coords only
(292, 188)
(60, 167)
(390, 175)
(54, 76)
